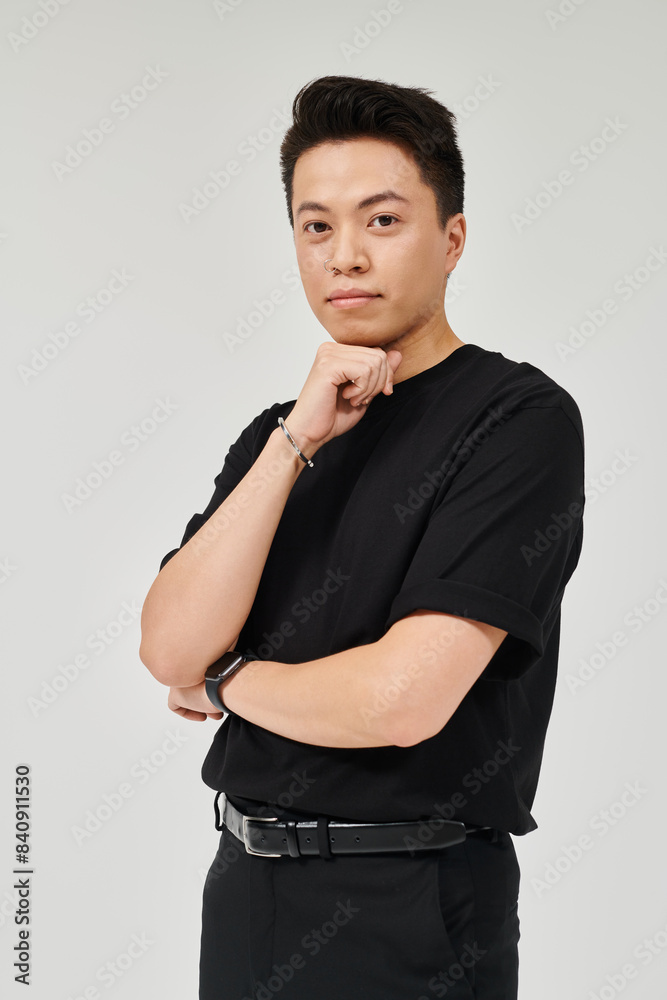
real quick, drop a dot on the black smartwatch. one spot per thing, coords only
(219, 671)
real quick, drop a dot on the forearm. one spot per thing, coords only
(182, 628)
(397, 691)
(331, 701)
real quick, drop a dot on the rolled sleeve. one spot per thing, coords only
(504, 538)
(237, 463)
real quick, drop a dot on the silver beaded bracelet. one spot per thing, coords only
(294, 444)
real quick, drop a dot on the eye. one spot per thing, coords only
(306, 229)
(383, 217)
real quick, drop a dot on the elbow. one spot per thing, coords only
(148, 655)
(395, 713)
(405, 734)
(157, 654)
(167, 672)
(411, 728)
(396, 728)
(404, 738)
(158, 669)
(411, 736)
(157, 645)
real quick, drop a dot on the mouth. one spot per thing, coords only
(351, 298)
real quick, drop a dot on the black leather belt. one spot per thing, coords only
(271, 837)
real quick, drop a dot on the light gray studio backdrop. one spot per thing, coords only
(152, 308)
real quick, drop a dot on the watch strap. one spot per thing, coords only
(214, 679)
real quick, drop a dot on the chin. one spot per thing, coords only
(361, 340)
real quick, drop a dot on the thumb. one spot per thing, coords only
(394, 358)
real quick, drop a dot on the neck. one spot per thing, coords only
(423, 348)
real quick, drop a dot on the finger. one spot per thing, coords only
(189, 713)
(366, 381)
(381, 379)
(358, 390)
(195, 716)
(377, 377)
(365, 384)
(390, 370)
(371, 386)
(388, 386)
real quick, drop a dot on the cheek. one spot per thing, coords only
(422, 268)
(404, 254)
(313, 276)
(406, 274)
(316, 292)
(310, 257)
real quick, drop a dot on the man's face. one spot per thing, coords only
(392, 248)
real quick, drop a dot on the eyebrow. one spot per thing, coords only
(373, 199)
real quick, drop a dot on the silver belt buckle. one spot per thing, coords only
(261, 819)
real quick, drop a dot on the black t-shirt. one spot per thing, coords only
(461, 492)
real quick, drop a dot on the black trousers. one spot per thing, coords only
(439, 923)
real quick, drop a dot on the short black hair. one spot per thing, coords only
(336, 108)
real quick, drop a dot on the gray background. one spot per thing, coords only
(552, 81)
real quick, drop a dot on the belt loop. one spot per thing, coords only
(292, 842)
(323, 837)
(218, 820)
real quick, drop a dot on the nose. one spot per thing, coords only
(347, 252)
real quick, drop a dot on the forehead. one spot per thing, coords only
(348, 166)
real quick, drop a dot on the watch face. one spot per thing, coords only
(223, 664)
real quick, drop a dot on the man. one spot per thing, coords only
(394, 559)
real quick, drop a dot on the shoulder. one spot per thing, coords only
(519, 385)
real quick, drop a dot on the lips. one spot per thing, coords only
(351, 293)
(351, 298)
